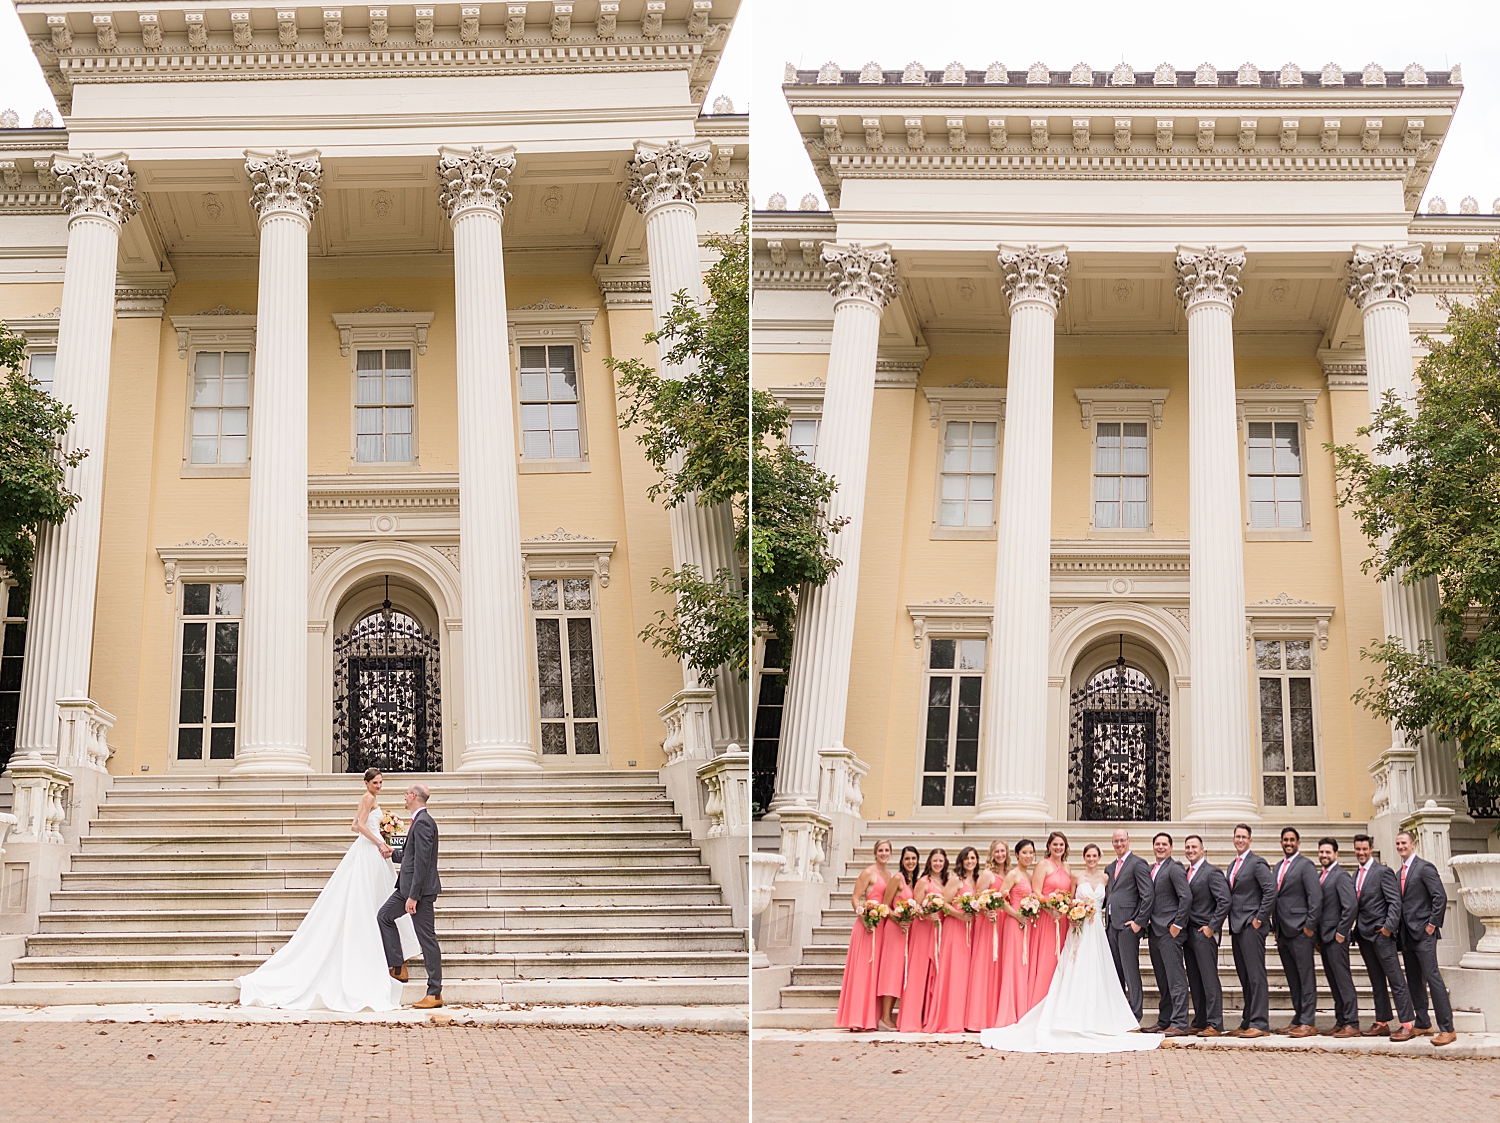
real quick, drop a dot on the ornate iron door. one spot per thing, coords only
(1120, 757)
(386, 699)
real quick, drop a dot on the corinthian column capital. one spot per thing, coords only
(475, 179)
(1035, 274)
(101, 187)
(284, 184)
(667, 173)
(862, 273)
(1386, 273)
(1209, 274)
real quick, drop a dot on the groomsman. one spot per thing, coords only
(1377, 920)
(1252, 895)
(1127, 911)
(1335, 925)
(1299, 900)
(1208, 896)
(1169, 919)
(1423, 903)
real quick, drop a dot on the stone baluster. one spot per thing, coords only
(1208, 285)
(273, 638)
(497, 703)
(1015, 770)
(864, 282)
(98, 195)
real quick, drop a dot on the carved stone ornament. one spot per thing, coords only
(239, 22)
(333, 26)
(468, 25)
(1207, 74)
(1122, 75)
(104, 32)
(10, 119)
(1414, 75)
(562, 21)
(424, 29)
(829, 74)
(1291, 74)
(286, 27)
(62, 34)
(1034, 274)
(1333, 74)
(697, 20)
(1082, 74)
(1468, 205)
(996, 75)
(91, 186)
(666, 174)
(284, 184)
(604, 25)
(1249, 75)
(861, 273)
(914, 74)
(777, 202)
(1387, 273)
(42, 119)
(197, 30)
(1247, 135)
(380, 28)
(1437, 205)
(476, 179)
(870, 74)
(1122, 133)
(1374, 75)
(1211, 275)
(1166, 75)
(954, 74)
(651, 21)
(1038, 74)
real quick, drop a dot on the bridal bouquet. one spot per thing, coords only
(905, 910)
(1058, 903)
(1080, 912)
(390, 826)
(871, 913)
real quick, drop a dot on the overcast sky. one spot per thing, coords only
(1185, 33)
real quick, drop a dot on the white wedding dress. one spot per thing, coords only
(1085, 1010)
(335, 961)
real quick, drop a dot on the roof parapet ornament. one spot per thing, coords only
(1207, 74)
(1291, 74)
(871, 75)
(1437, 205)
(996, 75)
(1374, 74)
(1166, 75)
(1414, 75)
(1249, 74)
(954, 74)
(1082, 74)
(829, 74)
(1470, 205)
(1122, 75)
(914, 75)
(1038, 74)
(1333, 74)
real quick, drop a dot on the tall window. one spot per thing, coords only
(383, 406)
(43, 368)
(12, 649)
(1275, 467)
(1121, 473)
(549, 404)
(208, 691)
(950, 753)
(968, 483)
(563, 608)
(766, 746)
(221, 407)
(1288, 750)
(804, 437)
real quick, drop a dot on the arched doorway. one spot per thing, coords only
(387, 705)
(1119, 759)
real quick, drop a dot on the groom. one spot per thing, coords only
(1127, 911)
(417, 887)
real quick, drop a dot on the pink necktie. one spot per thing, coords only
(1359, 884)
(1154, 869)
(1403, 881)
(1282, 873)
(1236, 870)
(1191, 871)
(1322, 875)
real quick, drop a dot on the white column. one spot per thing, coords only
(1015, 764)
(273, 638)
(1381, 280)
(864, 282)
(497, 702)
(99, 197)
(1208, 285)
(665, 182)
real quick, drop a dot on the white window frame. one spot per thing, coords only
(1285, 617)
(40, 334)
(1123, 402)
(552, 325)
(970, 400)
(957, 617)
(206, 763)
(804, 402)
(1272, 401)
(384, 464)
(386, 328)
(213, 331)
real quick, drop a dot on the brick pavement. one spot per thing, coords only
(190, 1072)
(816, 1082)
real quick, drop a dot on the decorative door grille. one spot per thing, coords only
(387, 712)
(1119, 764)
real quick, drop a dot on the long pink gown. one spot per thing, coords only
(920, 975)
(984, 973)
(890, 953)
(859, 1005)
(945, 1014)
(1046, 940)
(1015, 976)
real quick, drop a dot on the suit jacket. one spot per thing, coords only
(1127, 893)
(418, 877)
(1208, 895)
(1424, 902)
(1253, 894)
(1379, 902)
(1299, 899)
(1170, 900)
(1336, 914)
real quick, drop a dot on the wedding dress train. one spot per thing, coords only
(1085, 1010)
(334, 961)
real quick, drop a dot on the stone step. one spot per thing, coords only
(821, 1017)
(445, 917)
(325, 860)
(236, 896)
(460, 877)
(340, 815)
(395, 782)
(339, 842)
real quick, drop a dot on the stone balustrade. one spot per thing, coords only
(83, 741)
(41, 799)
(688, 721)
(726, 794)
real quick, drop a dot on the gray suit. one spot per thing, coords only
(1170, 903)
(1377, 909)
(1127, 897)
(417, 880)
(1299, 903)
(1252, 895)
(1208, 894)
(1423, 902)
(1337, 919)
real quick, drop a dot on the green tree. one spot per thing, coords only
(32, 488)
(1427, 496)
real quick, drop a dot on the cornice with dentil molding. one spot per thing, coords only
(475, 180)
(861, 273)
(1034, 274)
(1386, 273)
(104, 188)
(668, 173)
(284, 184)
(1209, 275)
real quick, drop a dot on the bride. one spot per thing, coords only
(1084, 1011)
(334, 961)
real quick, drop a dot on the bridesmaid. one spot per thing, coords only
(984, 948)
(891, 937)
(857, 1001)
(1015, 979)
(946, 1013)
(921, 971)
(1051, 875)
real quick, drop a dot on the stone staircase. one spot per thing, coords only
(576, 887)
(810, 1001)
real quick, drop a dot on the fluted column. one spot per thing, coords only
(665, 183)
(273, 643)
(497, 705)
(1222, 778)
(98, 195)
(1381, 283)
(1015, 764)
(864, 282)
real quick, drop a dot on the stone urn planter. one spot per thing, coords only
(1479, 891)
(763, 871)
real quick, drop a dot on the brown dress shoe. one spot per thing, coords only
(1405, 1033)
(1447, 1037)
(429, 1002)
(399, 973)
(1173, 1031)
(1209, 1031)
(1252, 1032)
(1379, 1029)
(1424, 1031)
(1346, 1031)
(1302, 1031)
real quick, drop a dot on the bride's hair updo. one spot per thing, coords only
(371, 773)
(1094, 846)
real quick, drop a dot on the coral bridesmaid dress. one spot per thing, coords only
(945, 1013)
(859, 1006)
(920, 971)
(1014, 975)
(890, 953)
(1046, 940)
(984, 973)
